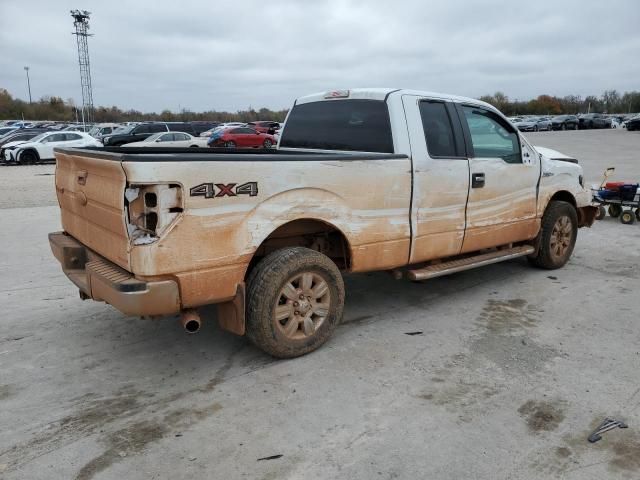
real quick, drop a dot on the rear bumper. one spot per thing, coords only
(102, 280)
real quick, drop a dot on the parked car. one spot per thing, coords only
(170, 139)
(404, 187)
(564, 122)
(137, 133)
(202, 126)
(593, 120)
(41, 147)
(12, 140)
(533, 124)
(265, 126)
(633, 124)
(243, 137)
(5, 130)
(103, 129)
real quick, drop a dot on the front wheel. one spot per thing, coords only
(638, 214)
(267, 143)
(557, 236)
(564, 126)
(535, 128)
(295, 299)
(29, 157)
(230, 144)
(601, 213)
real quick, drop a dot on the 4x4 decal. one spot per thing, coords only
(211, 190)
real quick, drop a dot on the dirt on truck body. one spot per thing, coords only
(375, 179)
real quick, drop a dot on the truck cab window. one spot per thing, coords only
(491, 136)
(438, 131)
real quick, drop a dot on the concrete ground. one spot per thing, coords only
(495, 373)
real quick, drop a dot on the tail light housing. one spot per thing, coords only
(151, 210)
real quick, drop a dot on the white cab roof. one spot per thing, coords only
(383, 93)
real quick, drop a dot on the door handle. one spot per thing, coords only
(477, 180)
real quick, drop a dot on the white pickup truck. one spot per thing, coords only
(419, 184)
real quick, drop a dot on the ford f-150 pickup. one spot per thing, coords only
(415, 183)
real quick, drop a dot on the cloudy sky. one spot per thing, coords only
(228, 55)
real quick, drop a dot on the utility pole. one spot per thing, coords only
(81, 22)
(26, 69)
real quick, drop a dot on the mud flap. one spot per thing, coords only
(231, 313)
(587, 215)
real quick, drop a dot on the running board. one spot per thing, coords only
(453, 266)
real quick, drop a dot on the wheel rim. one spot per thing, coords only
(267, 143)
(561, 236)
(302, 305)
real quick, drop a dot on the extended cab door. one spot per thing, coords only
(504, 174)
(440, 178)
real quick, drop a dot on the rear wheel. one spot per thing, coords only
(557, 236)
(295, 299)
(267, 143)
(627, 217)
(601, 213)
(615, 210)
(535, 128)
(230, 144)
(638, 214)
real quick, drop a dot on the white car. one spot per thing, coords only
(169, 139)
(41, 147)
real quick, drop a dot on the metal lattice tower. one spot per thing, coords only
(81, 22)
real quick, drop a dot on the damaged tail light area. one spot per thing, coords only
(150, 210)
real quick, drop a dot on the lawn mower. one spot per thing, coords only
(620, 198)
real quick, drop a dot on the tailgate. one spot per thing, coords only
(90, 190)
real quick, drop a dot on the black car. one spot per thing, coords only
(21, 134)
(633, 124)
(202, 126)
(564, 122)
(593, 120)
(137, 133)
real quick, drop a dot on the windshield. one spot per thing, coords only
(123, 130)
(154, 137)
(352, 125)
(39, 137)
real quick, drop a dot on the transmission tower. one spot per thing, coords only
(81, 22)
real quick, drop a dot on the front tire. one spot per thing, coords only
(295, 299)
(601, 213)
(558, 234)
(230, 144)
(28, 157)
(267, 143)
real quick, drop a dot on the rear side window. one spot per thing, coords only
(157, 127)
(438, 130)
(352, 125)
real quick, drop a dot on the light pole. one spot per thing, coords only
(26, 69)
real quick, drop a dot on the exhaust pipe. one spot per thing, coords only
(190, 321)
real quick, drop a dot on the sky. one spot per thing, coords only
(230, 55)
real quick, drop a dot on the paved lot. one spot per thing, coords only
(505, 373)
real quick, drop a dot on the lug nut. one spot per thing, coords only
(295, 304)
(297, 312)
(301, 297)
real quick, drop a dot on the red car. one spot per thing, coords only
(264, 126)
(242, 137)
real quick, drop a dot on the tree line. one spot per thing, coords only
(611, 101)
(55, 108)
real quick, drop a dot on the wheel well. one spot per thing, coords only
(30, 150)
(314, 234)
(564, 196)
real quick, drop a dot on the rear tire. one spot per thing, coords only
(295, 299)
(601, 213)
(267, 143)
(558, 234)
(615, 210)
(627, 217)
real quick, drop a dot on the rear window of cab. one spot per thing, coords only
(350, 125)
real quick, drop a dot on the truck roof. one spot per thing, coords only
(382, 94)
